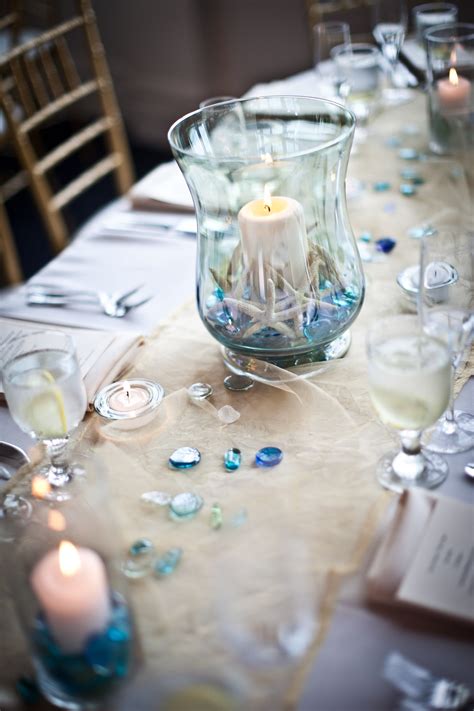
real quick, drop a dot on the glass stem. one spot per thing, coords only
(449, 423)
(409, 463)
(58, 473)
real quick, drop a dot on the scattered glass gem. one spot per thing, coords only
(381, 186)
(185, 505)
(104, 651)
(385, 244)
(185, 458)
(268, 457)
(412, 176)
(408, 154)
(227, 414)
(219, 293)
(140, 559)
(168, 563)
(393, 142)
(410, 129)
(216, 516)
(152, 499)
(390, 207)
(200, 391)
(365, 237)
(365, 252)
(238, 382)
(143, 546)
(232, 459)
(239, 519)
(16, 507)
(407, 189)
(28, 690)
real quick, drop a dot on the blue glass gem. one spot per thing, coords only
(385, 244)
(143, 546)
(185, 505)
(185, 458)
(422, 231)
(232, 459)
(407, 189)
(393, 142)
(366, 237)
(219, 293)
(216, 516)
(167, 564)
(408, 154)
(268, 457)
(28, 690)
(381, 186)
(412, 176)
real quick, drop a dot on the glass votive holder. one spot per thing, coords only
(450, 61)
(62, 574)
(431, 15)
(129, 404)
(359, 65)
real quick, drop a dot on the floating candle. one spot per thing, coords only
(454, 93)
(129, 404)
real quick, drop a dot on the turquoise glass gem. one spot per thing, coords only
(238, 382)
(28, 690)
(381, 186)
(366, 237)
(407, 189)
(385, 244)
(167, 564)
(393, 142)
(421, 231)
(268, 457)
(408, 154)
(185, 458)
(185, 505)
(143, 546)
(154, 499)
(219, 293)
(140, 559)
(412, 176)
(232, 459)
(200, 391)
(216, 516)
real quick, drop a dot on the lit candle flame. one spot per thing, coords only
(56, 521)
(453, 77)
(40, 487)
(267, 199)
(69, 560)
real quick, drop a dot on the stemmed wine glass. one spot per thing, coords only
(446, 305)
(46, 398)
(327, 36)
(390, 24)
(409, 384)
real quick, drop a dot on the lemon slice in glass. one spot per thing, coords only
(46, 412)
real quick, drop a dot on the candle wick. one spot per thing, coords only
(127, 393)
(267, 208)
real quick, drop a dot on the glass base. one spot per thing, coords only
(435, 472)
(460, 440)
(58, 483)
(286, 368)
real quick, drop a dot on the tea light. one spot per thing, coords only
(454, 93)
(129, 404)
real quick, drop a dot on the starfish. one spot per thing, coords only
(268, 314)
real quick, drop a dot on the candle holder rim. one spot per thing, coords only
(102, 406)
(433, 6)
(346, 131)
(432, 35)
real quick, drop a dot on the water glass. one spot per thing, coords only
(359, 66)
(432, 14)
(326, 36)
(409, 385)
(390, 24)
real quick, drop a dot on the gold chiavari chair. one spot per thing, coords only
(10, 269)
(39, 81)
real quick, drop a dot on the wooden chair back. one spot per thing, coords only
(39, 80)
(10, 269)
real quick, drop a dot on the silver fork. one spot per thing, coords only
(113, 304)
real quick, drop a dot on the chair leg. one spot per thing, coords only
(8, 251)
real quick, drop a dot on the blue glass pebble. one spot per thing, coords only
(268, 457)
(423, 231)
(366, 237)
(185, 458)
(407, 189)
(28, 690)
(143, 546)
(219, 293)
(185, 505)
(408, 154)
(232, 459)
(381, 186)
(412, 176)
(385, 244)
(167, 564)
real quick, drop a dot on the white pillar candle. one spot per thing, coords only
(273, 233)
(71, 586)
(454, 93)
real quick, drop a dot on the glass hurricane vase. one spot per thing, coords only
(278, 272)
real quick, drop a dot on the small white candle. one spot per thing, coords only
(71, 586)
(130, 397)
(454, 93)
(273, 233)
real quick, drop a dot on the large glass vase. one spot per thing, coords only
(278, 271)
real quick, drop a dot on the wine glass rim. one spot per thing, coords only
(333, 24)
(435, 34)
(428, 6)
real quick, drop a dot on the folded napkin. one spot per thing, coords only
(162, 189)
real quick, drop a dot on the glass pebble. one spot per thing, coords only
(381, 186)
(408, 154)
(153, 499)
(227, 414)
(232, 459)
(410, 129)
(219, 293)
(28, 690)
(385, 244)
(16, 507)
(185, 505)
(423, 231)
(407, 189)
(238, 382)
(412, 176)
(185, 458)
(142, 546)
(168, 562)
(200, 391)
(268, 457)
(216, 516)
(136, 567)
(393, 142)
(239, 519)
(365, 237)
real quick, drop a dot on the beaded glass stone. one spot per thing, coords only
(232, 459)
(385, 244)
(200, 391)
(238, 383)
(268, 457)
(185, 505)
(185, 458)
(168, 562)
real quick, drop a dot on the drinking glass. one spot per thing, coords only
(46, 397)
(326, 36)
(409, 385)
(216, 100)
(358, 65)
(432, 14)
(446, 304)
(390, 24)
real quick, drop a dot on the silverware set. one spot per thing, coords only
(113, 304)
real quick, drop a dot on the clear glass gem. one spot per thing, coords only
(239, 518)
(407, 189)
(268, 457)
(408, 154)
(185, 458)
(16, 507)
(227, 414)
(232, 459)
(385, 244)
(137, 566)
(185, 505)
(168, 562)
(216, 516)
(200, 391)
(154, 499)
(238, 382)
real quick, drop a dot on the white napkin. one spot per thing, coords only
(162, 189)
